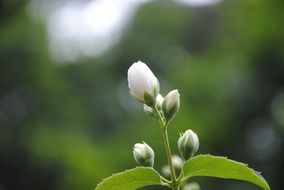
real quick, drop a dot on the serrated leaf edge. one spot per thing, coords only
(116, 174)
(241, 163)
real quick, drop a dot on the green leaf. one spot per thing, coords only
(131, 179)
(222, 167)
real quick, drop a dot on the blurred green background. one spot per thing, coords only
(67, 120)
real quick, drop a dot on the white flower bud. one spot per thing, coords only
(166, 171)
(177, 162)
(150, 111)
(188, 144)
(171, 104)
(143, 154)
(159, 101)
(143, 84)
(192, 186)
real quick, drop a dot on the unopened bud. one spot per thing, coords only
(171, 104)
(150, 111)
(192, 186)
(143, 154)
(159, 101)
(143, 84)
(177, 163)
(188, 144)
(166, 171)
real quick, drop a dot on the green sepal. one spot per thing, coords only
(149, 100)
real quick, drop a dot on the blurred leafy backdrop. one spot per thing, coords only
(69, 124)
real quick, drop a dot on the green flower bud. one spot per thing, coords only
(188, 144)
(143, 154)
(171, 104)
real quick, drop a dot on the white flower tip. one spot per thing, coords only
(160, 99)
(143, 84)
(172, 99)
(171, 104)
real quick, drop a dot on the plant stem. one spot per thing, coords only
(174, 183)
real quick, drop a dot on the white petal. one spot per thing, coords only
(171, 99)
(141, 79)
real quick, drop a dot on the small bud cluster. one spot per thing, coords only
(145, 88)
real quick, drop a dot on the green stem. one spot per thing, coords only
(174, 183)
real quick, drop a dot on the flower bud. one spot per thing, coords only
(143, 154)
(150, 111)
(177, 163)
(166, 171)
(159, 101)
(171, 104)
(192, 186)
(188, 144)
(143, 84)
